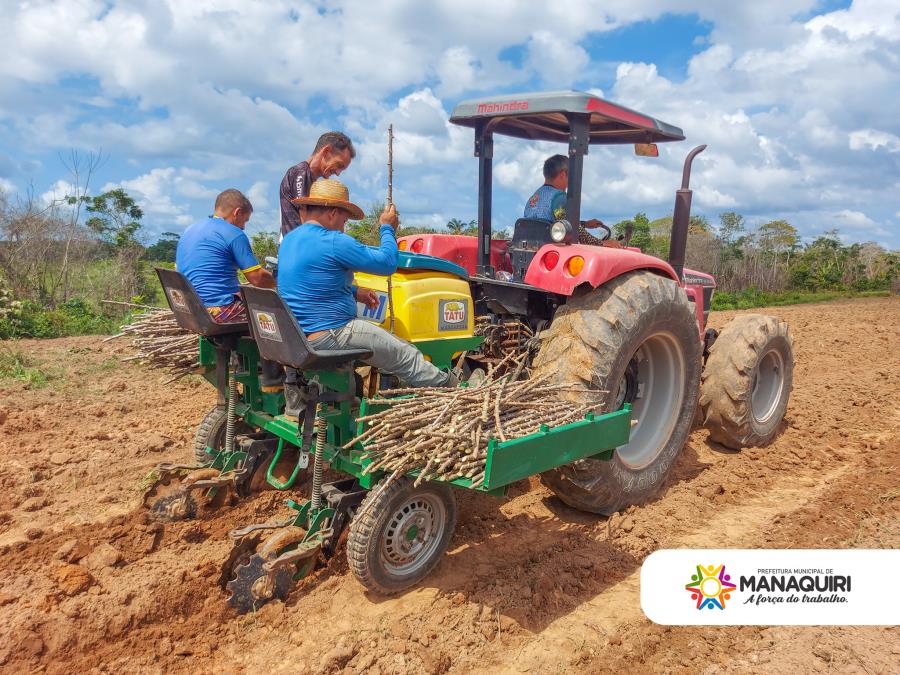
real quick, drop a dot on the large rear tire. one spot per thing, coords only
(747, 381)
(635, 338)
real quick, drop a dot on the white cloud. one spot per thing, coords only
(854, 219)
(874, 139)
(57, 192)
(7, 186)
(799, 114)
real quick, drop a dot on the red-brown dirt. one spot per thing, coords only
(88, 584)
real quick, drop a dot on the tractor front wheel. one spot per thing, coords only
(400, 534)
(635, 338)
(747, 381)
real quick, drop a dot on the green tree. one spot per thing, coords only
(731, 232)
(264, 244)
(778, 238)
(456, 226)
(115, 217)
(164, 249)
(640, 233)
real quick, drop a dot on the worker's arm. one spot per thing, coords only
(381, 260)
(260, 277)
(248, 264)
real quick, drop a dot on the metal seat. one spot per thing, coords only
(279, 338)
(189, 310)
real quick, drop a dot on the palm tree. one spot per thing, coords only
(456, 226)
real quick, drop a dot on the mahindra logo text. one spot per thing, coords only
(511, 106)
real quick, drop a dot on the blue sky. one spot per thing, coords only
(796, 99)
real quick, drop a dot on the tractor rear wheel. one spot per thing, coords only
(211, 433)
(636, 339)
(400, 534)
(747, 381)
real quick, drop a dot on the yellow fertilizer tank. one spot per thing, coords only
(432, 308)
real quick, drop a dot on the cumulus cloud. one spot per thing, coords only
(199, 96)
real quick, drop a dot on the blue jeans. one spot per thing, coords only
(390, 354)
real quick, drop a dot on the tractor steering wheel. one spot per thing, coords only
(608, 235)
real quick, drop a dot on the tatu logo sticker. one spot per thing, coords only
(453, 314)
(267, 326)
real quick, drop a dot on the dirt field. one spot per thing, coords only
(529, 584)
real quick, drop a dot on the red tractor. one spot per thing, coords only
(627, 323)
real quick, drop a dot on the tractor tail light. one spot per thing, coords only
(417, 246)
(403, 245)
(550, 260)
(574, 265)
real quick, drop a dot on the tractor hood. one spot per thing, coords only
(543, 117)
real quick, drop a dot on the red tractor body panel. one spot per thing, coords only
(459, 249)
(550, 268)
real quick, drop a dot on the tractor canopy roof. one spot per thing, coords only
(545, 117)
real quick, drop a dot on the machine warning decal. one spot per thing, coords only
(376, 315)
(178, 300)
(453, 314)
(267, 326)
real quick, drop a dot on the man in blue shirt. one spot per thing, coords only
(316, 263)
(549, 201)
(211, 252)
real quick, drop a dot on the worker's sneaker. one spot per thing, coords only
(293, 400)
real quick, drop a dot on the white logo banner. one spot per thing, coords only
(764, 587)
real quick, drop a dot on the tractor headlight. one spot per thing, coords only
(562, 232)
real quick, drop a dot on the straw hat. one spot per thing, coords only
(330, 192)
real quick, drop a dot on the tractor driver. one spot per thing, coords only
(210, 253)
(316, 263)
(549, 201)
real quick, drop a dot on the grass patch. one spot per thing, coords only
(751, 297)
(15, 365)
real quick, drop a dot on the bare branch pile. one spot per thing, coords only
(445, 432)
(158, 341)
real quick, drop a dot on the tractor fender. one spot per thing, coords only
(601, 264)
(457, 248)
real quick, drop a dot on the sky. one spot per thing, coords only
(797, 100)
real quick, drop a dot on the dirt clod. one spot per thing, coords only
(72, 579)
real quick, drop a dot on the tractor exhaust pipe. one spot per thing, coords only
(681, 217)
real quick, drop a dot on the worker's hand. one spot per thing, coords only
(592, 223)
(368, 297)
(612, 243)
(390, 217)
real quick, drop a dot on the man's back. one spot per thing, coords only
(547, 203)
(315, 273)
(209, 254)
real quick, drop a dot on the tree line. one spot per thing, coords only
(59, 261)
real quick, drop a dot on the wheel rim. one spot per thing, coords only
(656, 400)
(413, 533)
(768, 383)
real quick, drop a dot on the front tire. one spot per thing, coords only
(400, 534)
(636, 339)
(747, 381)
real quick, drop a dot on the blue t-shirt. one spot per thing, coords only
(315, 273)
(547, 203)
(209, 254)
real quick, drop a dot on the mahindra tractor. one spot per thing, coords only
(626, 323)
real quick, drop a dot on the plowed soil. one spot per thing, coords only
(88, 584)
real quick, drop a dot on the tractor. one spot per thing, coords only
(627, 325)
(622, 321)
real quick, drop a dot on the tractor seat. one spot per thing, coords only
(189, 310)
(280, 339)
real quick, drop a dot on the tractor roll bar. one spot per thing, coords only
(681, 217)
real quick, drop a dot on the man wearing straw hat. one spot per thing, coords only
(316, 263)
(333, 153)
